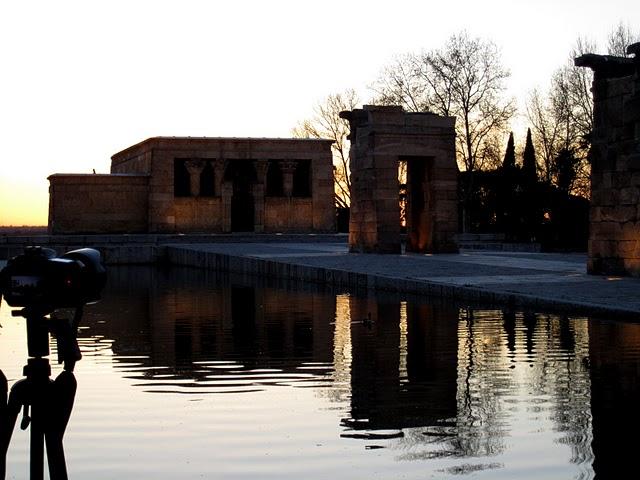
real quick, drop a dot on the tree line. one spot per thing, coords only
(465, 78)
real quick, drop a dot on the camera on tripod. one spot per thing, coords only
(41, 282)
(40, 279)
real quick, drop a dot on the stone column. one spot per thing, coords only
(288, 167)
(194, 167)
(218, 173)
(261, 170)
(258, 195)
(226, 192)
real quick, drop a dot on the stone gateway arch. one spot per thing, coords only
(381, 137)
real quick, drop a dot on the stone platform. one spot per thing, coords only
(543, 281)
(547, 282)
(145, 248)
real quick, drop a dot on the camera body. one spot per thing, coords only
(39, 278)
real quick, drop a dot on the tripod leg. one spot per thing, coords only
(17, 398)
(63, 392)
(39, 416)
(4, 390)
(36, 456)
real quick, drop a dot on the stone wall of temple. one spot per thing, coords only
(288, 215)
(238, 168)
(614, 237)
(98, 203)
(203, 185)
(198, 214)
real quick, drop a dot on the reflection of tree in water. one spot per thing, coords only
(502, 356)
(482, 379)
(563, 374)
(437, 381)
(491, 354)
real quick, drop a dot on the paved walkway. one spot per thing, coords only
(533, 279)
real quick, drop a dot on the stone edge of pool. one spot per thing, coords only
(286, 268)
(226, 254)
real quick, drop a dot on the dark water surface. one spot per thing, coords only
(190, 375)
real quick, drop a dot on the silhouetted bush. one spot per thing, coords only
(506, 201)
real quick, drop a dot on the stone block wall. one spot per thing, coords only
(140, 163)
(95, 203)
(288, 215)
(198, 214)
(614, 236)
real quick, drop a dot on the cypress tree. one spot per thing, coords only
(531, 211)
(529, 170)
(509, 161)
(505, 195)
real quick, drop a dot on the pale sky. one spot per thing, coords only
(82, 80)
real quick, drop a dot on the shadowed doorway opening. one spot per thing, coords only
(418, 211)
(242, 175)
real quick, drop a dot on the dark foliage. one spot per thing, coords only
(505, 201)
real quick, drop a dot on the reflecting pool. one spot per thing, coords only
(188, 374)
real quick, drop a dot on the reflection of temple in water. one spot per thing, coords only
(414, 373)
(189, 318)
(614, 364)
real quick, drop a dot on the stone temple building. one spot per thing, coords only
(208, 185)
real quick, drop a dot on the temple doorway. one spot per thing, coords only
(243, 176)
(419, 214)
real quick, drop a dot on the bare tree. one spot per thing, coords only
(620, 38)
(562, 120)
(546, 128)
(465, 79)
(326, 123)
(575, 84)
(399, 84)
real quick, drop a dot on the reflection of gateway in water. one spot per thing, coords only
(387, 395)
